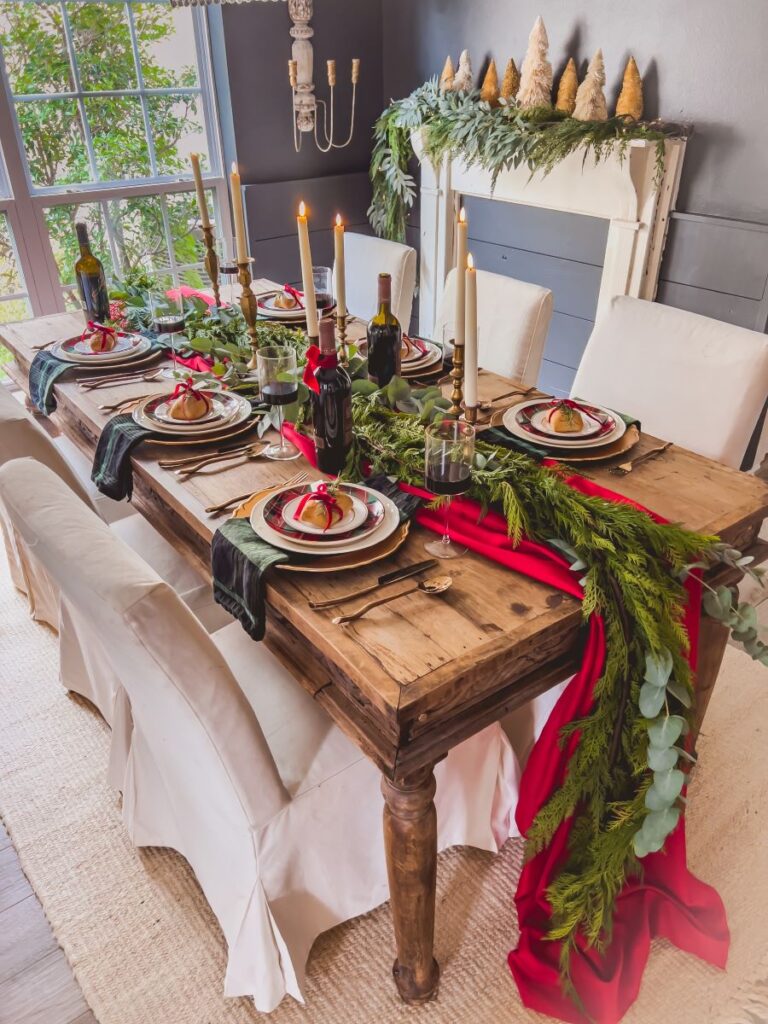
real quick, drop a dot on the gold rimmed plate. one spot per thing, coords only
(332, 563)
(198, 441)
(625, 443)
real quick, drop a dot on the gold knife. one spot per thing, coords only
(383, 581)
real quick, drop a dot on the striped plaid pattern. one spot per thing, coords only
(46, 370)
(240, 560)
(112, 471)
(43, 374)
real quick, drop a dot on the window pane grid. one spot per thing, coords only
(143, 96)
(78, 92)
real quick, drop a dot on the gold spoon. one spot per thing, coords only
(436, 585)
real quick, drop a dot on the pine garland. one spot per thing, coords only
(460, 124)
(621, 787)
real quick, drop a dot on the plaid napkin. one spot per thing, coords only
(502, 437)
(46, 370)
(240, 560)
(112, 471)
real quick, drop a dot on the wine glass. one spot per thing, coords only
(166, 305)
(279, 385)
(449, 450)
(323, 279)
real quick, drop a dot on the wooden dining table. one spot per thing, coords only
(413, 679)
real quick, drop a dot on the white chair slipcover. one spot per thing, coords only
(21, 435)
(365, 257)
(226, 758)
(513, 318)
(696, 381)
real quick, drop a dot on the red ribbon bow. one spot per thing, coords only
(326, 499)
(105, 332)
(187, 387)
(317, 361)
(299, 296)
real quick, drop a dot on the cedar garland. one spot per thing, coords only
(494, 138)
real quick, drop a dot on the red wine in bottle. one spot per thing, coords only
(385, 338)
(331, 406)
(91, 283)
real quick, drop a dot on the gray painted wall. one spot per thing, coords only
(251, 47)
(705, 65)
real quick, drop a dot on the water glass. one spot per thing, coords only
(279, 385)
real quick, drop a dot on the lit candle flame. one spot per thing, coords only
(302, 209)
(462, 215)
(338, 220)
(470, 262)
(234, 167)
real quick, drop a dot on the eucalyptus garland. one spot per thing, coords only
(623, 785)
(460, 124)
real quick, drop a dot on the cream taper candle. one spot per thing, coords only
(205, 220)
(461, 263)
(241, 238)
(341, 281)
(470, 334)
(308, 281)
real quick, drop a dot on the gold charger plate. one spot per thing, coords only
(627, 441)
(332, 563)
(196, 442)
(126, 364)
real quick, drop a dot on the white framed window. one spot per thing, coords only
(101, 103)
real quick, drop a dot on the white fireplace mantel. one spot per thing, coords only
(624, 192)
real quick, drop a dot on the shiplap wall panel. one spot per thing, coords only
(717, 255)
(734, 309)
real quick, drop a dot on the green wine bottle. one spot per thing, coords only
(91, 282)
(385, 338)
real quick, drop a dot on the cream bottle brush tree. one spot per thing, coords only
(536, 74)
(590, 98)
(462, 81)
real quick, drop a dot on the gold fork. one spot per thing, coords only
(216, 510)
(117, 406)
(252, 452)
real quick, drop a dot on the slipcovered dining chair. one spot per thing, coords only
(513, 319)
(21, 435)
(696, 381)
(226, 758)
(365, 257)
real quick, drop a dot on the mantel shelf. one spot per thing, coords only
(624, 189)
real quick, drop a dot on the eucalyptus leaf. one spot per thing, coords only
(363, 387)
(665, 731)
(658, 668)
(651, 700)
(662, 759)
(659, 824)
(668, 784)
(681, 692)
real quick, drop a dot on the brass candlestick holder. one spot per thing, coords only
(457, 376)
(249, 305)
(470, 413)
(341, 330)
(212, 263)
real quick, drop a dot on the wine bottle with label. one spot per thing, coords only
(331, 405)
(385, 338)
(91, 282)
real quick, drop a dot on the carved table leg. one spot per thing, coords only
(410, 840)
(713, 638)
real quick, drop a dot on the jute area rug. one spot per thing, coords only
(146, 949)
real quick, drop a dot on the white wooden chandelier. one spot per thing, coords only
(306, 105)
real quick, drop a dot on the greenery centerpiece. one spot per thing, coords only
(624, 782)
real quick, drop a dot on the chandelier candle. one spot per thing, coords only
(341, 280)
(205, 220)
(308, 282)
(331, 405)
(385, 338)
(470, 341)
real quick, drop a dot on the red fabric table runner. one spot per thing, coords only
(667, 901)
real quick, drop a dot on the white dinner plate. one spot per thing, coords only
(389, 524)
(351, 519)
(510, 421)
(73, 350)
(234, 408)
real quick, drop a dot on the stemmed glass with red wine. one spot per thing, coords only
(449, 452)
(279, 385)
